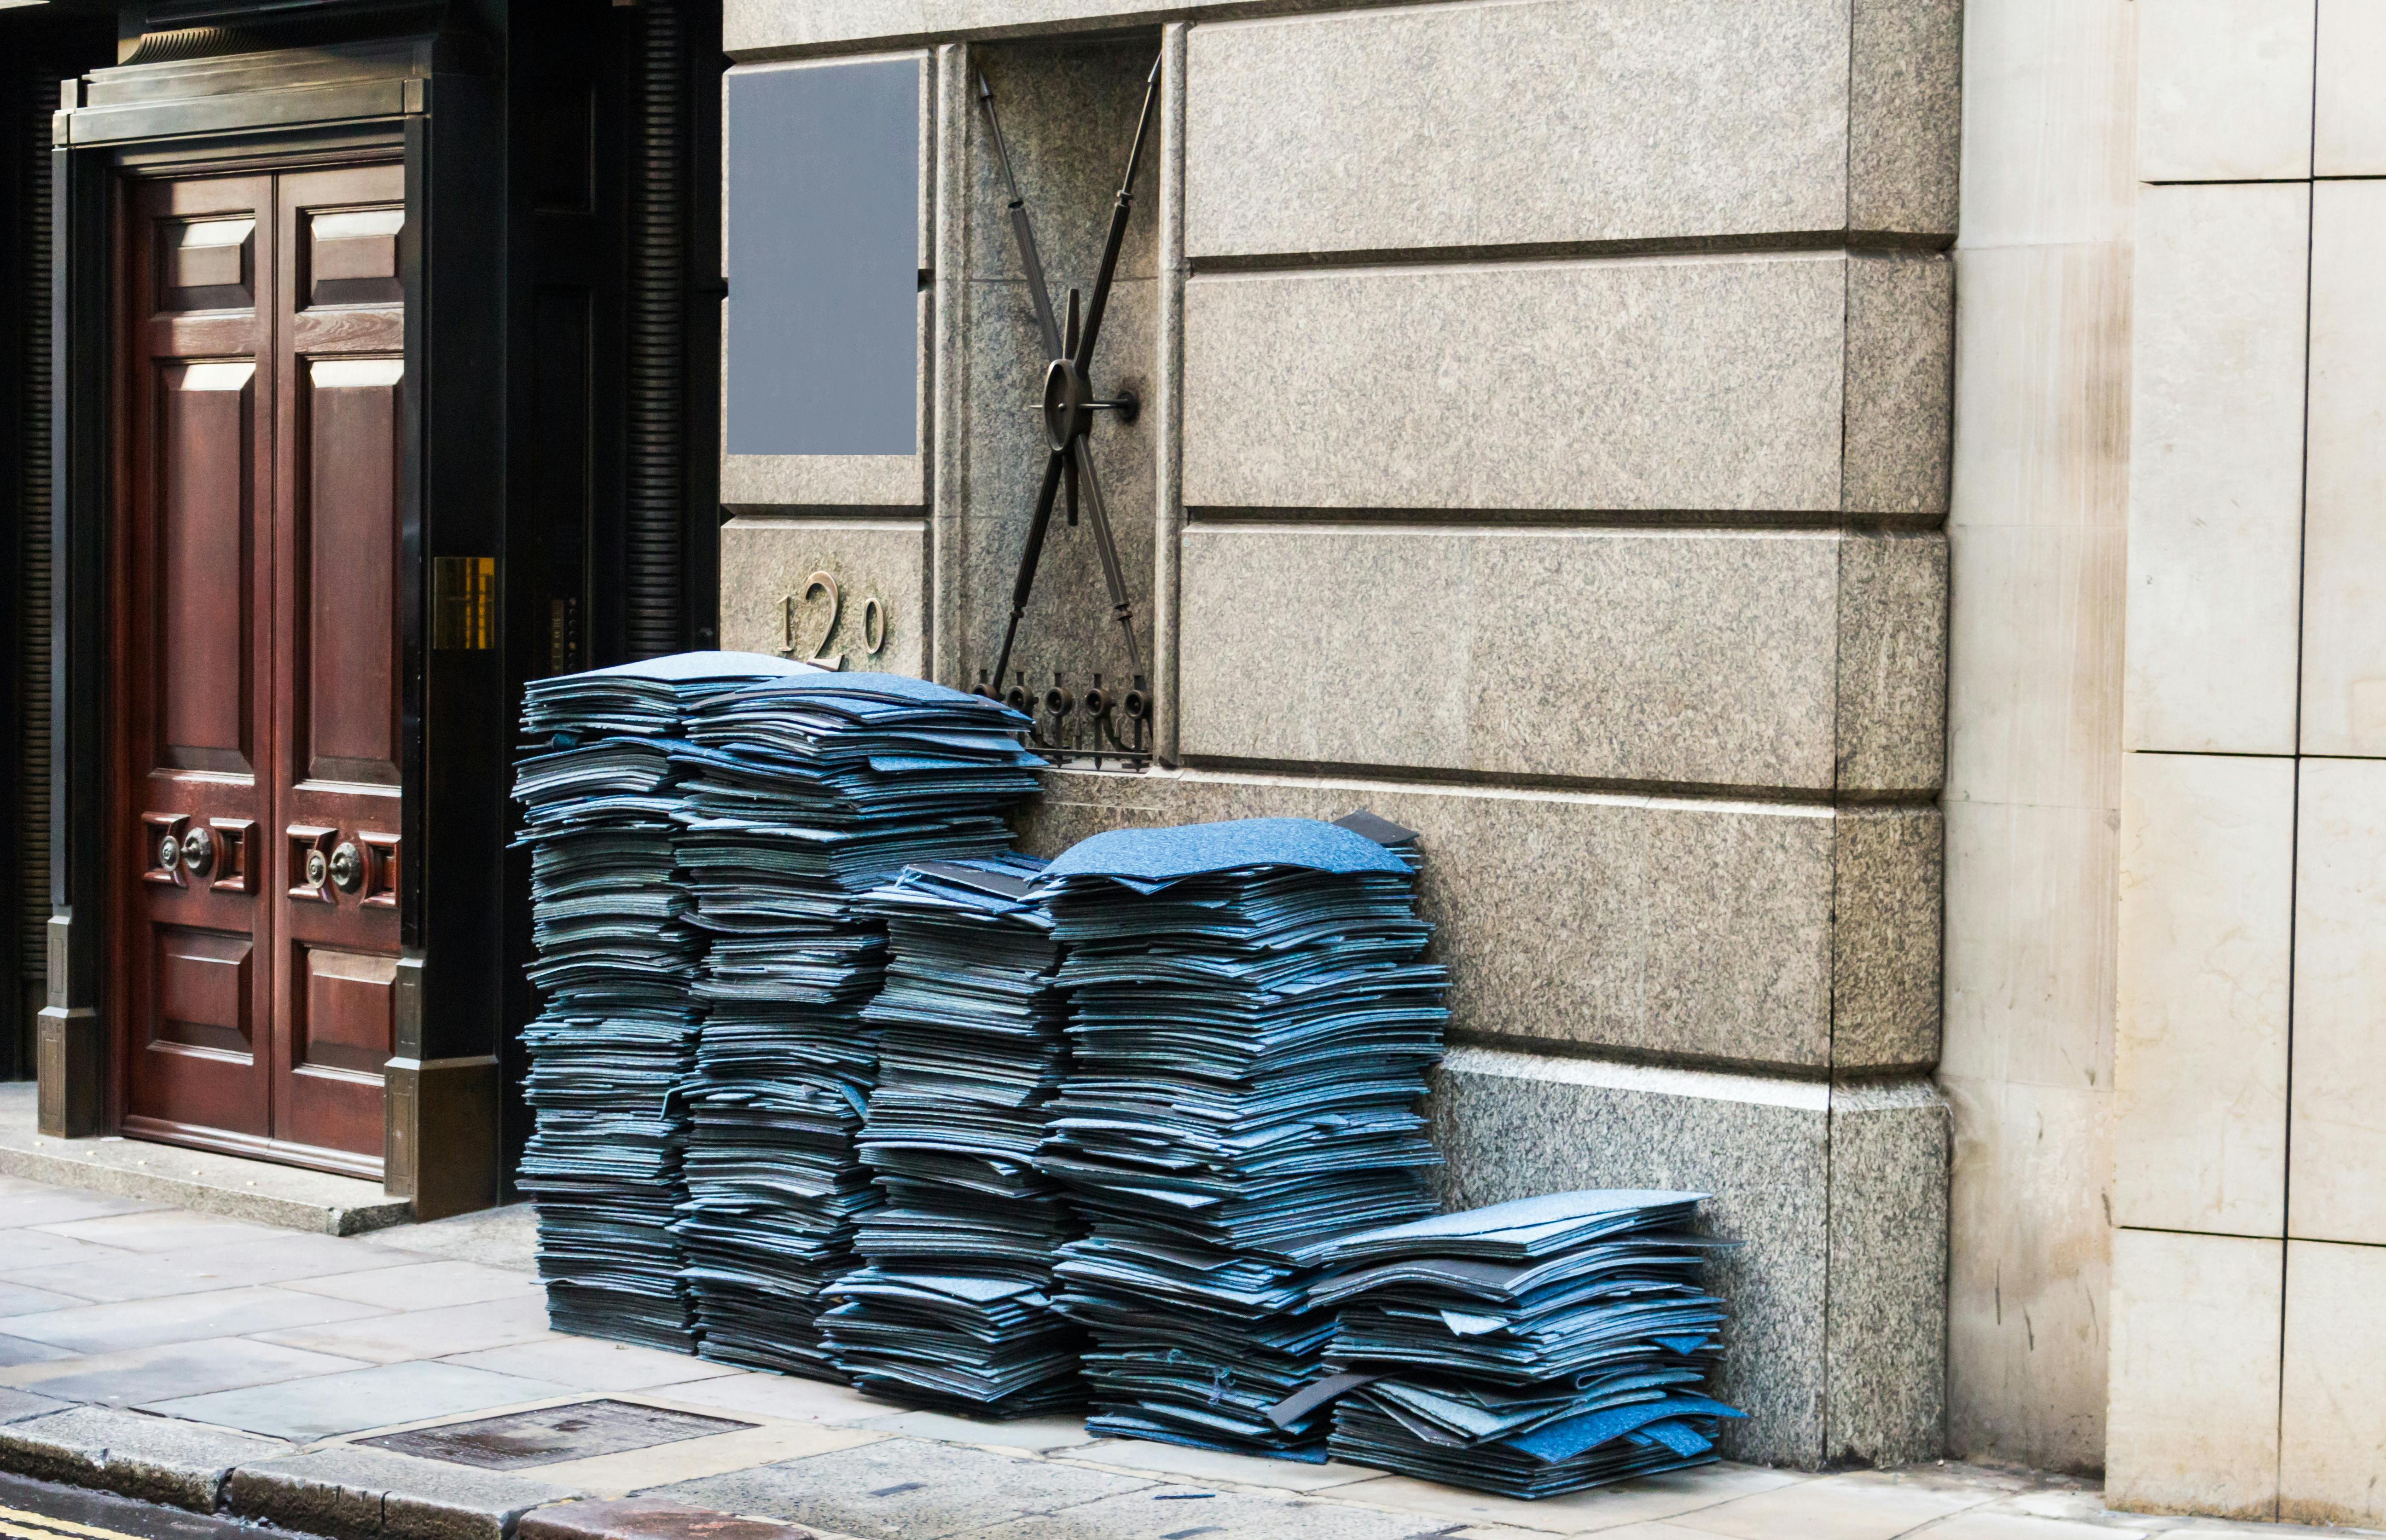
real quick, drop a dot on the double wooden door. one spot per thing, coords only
(256, 718)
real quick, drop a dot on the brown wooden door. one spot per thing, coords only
(257, 676)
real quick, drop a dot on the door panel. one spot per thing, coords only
(347, 540)
(207, 265)
(207, 421)
(351, 256)
(348, 1011)
(196, 548)
(257, 703)
(341, 366)
(205, 990)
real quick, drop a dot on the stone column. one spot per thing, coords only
(2037, 541)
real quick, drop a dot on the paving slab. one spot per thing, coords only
(666, 1464)
(2069, 1499)
(504, 1237)
(141, 1175)
(902, 1489)
(179, 1317)
(1184, 1512)
(18, 1351)
(1216, 1465)
(42, 1246)
(159, 1229)
(1859, 1506)
(20, 1299)
(1601, 1509)
(393, 1338)
(17, 1406)
(170, 1370)
(153, 1459)
(1036, 1433)
(361, 1398)
(277, 1258)
(347, 1493)
(1654, 1528)
(588, 1363)
(1984, 1524)
(426, 1285)
(645, 1519)
(41, 1203)
(781, 1395)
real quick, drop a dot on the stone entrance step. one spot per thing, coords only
(258, 1191)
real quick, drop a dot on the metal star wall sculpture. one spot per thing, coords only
(1069, 403)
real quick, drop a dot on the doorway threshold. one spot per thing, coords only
(211, 1184)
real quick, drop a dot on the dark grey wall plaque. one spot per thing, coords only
(823, 237)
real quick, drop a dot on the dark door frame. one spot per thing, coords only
(437, 101)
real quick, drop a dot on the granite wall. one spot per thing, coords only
(2249, 1153)
(1545, 441)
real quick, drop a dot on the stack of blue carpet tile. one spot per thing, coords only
(615, 958)
(1249, 1033)
(955, 1309)
(1400, 841)
(798, 796)
(1528, 1349)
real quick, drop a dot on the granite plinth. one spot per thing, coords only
(1829, 1191)
(1700, 930)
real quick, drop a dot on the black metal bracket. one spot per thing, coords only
(1099, 730)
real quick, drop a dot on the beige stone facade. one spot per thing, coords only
(2249, 1145)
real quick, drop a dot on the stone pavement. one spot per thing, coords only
(318, 1382)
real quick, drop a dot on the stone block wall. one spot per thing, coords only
(1546, 443)
(2249, 1146)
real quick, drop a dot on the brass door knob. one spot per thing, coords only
(347, 867)
(199, 852)
(170, 852)
(317, 868)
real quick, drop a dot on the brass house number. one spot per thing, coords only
(799, 608)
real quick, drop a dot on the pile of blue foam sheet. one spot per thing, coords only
(798, 796)
(1249, 1031)
(955, 1307)
(1528, 1348)
(614, 960)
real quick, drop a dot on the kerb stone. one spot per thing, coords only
(157, 1459)
(352, 1494)
(646, 1518)
(23, 1406)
